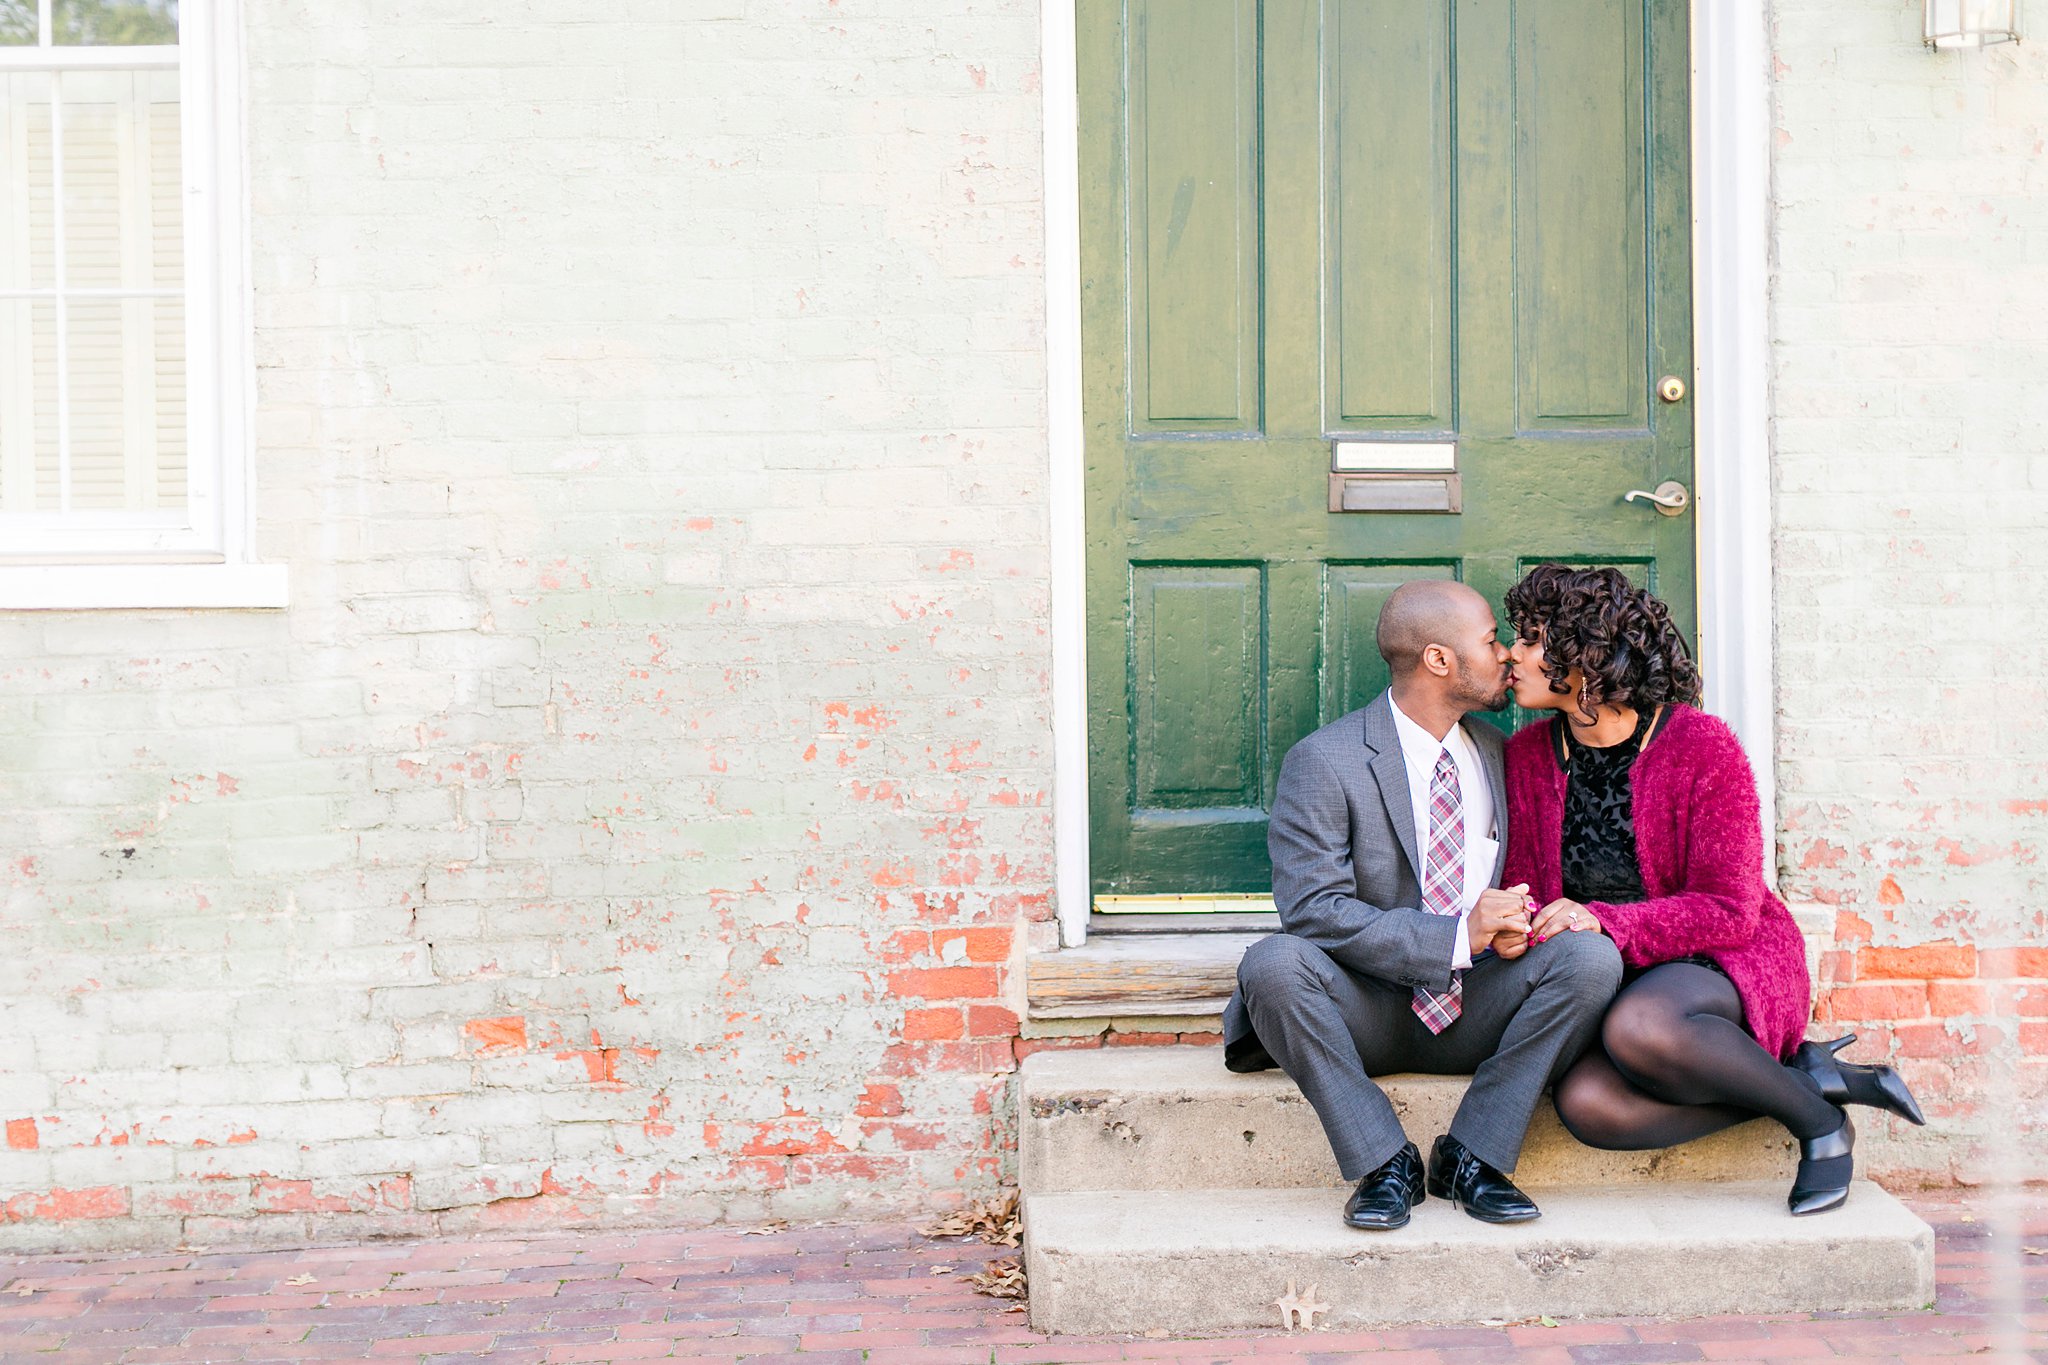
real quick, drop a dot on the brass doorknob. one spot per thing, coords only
(1671, 388)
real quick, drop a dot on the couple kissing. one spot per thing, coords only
(1580, 908)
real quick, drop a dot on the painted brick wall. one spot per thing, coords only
(638, 813)
(1911, 339)
(642, 811)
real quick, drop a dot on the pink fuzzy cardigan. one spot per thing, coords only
(1699, 841)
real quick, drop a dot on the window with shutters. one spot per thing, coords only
(124, 365)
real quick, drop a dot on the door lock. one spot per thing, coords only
(1671, 388)
(1671, 497)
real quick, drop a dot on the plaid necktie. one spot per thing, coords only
(1443, 877)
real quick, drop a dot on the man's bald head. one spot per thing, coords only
(1425, 612)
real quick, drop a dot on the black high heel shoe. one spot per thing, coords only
(1826, 1165)
(1842, 1083)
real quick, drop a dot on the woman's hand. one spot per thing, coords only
(1562, 916)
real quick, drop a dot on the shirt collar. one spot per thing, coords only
(1417, 744)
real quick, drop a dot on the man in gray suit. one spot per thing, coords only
(1389, 830)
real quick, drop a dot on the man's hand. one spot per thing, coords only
(1500, 920)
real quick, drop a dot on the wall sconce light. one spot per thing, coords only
(1972, 23)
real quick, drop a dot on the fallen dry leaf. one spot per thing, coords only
(22, 1291)
(767, 1229)
(1299, 1309)
(994, 1220)
(942, 1270)
(1157, 1333)
(2035, 1251)
(1003, 1279)
(300, 1279)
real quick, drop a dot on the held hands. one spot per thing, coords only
(1562, 917)
(1500, 920)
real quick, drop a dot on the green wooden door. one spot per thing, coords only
(1454, 222)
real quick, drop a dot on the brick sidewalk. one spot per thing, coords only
(882, 1293)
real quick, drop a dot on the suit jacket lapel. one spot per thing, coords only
(1390, 769)
(1490, 757)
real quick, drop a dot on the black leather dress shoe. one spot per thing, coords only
(1382, 1200)
(1478, 1188)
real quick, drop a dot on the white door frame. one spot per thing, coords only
(1731, 413)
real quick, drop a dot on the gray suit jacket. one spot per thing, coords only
(1346, 867)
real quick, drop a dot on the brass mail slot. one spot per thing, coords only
(1396, 493)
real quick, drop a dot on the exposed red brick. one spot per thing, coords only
(1026, 1046)
(972, 1057)
(2031, 963)
(492, 1034)
(991, 1021)
(932, 1025)
(945, 983)
(296, 1196)
(1838, 968)
(1933, 1038)
(793, 1135)
(1894, 1000)
(1889, 892)
(1851, 927)
(1140, 1039)
(847, 1166)
(990, 944)
(1202, 1039)
(58, 1206)
(907, 1137)
(600, 1064)
(904, 945)
(1946, 999)
(22, 1135)
(879, 1101)
(2034, 1039)
(1918, 963)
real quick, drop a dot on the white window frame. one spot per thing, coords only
(84, 561)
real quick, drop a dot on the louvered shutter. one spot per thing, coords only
(123, 386)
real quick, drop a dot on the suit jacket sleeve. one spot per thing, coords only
(1721, 899)
(1315, 885)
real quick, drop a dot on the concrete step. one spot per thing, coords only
(1215, 1261)
(1166, 1118)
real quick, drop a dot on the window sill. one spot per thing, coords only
(86, 587)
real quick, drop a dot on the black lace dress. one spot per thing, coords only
(1599, 852)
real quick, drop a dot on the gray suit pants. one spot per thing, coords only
(1332, 1030)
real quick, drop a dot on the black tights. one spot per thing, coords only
(1675, 1063)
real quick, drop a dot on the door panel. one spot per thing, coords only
(1194, 232)
(1353, 672)
(1197, 642)
(1579, 236)
(1444, 220)
(1387, 163)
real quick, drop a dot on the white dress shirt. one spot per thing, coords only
(1421, 750)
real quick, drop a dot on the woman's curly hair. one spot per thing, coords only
(1620, 635)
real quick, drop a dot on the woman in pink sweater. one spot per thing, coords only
(1633, 814)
